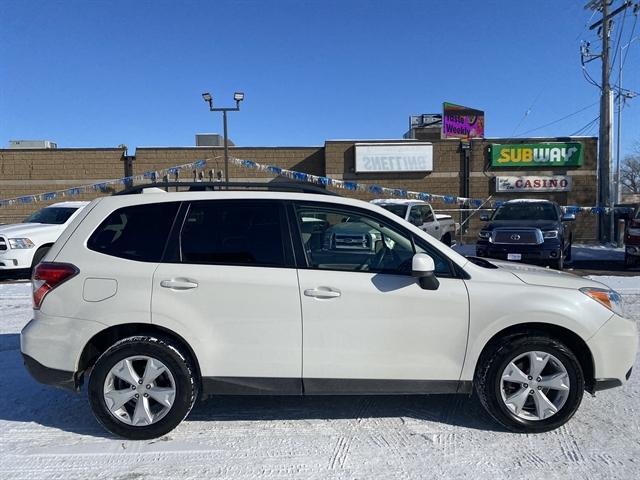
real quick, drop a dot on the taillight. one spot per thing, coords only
(47, 276)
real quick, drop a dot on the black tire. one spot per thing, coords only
(38, 256)
(559, 263)
(446, 239)
(166, 352)
(493, 362)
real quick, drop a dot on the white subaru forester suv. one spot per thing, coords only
(163, 298)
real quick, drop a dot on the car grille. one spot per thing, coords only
(351, 241)
(517, 236)
(3, 243)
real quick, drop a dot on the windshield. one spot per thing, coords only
(526, 211)
(51, 215)
(399, 210)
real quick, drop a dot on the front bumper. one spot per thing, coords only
(530, 253)
(16, 258)
(614, 347)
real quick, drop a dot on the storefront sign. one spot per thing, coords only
(556, 183)
(542, 155)
(461, 122)
(394, 157)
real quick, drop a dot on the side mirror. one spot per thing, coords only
(484, 217)
(568, 217)
(423, 268)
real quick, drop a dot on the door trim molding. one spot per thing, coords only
(329, 386)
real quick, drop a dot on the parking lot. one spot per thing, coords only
(49, 433)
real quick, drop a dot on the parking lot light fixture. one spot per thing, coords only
(238, 97)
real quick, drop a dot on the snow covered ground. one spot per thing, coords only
(49, 433)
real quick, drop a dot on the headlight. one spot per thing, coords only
(20, 243)
(484, 234)
(609, 298)
(550, 234)
(634, 232)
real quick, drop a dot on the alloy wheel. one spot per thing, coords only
(139, 390)
(534, 385)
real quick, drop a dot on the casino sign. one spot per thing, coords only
(529, 183)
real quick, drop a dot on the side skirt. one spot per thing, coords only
(329, 386)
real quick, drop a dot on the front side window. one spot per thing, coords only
(353, 240)
(51, 215)
(136, 233)
(233, 233)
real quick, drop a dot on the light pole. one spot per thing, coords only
(238, 97)
(626, 95)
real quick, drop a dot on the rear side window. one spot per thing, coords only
(137, 233)
(234, 233)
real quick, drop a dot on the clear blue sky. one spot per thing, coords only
(101, 73)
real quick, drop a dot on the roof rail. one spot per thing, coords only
(222, 186)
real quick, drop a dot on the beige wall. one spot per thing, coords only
(28, 172)
(25, 172)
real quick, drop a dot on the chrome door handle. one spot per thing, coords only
(322, 292)
(178, 284)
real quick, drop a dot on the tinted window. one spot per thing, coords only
(137, 233)
(399, 210)
(235, 233)
(526, 211)
(349, 240)
(51, 215)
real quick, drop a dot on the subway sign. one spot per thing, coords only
(538, 155)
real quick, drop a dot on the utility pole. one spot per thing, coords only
(605, 222)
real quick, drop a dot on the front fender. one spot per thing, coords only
(509, 305)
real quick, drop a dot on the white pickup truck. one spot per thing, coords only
(23, 245)
(420, 214)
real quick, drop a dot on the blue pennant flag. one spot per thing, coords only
(27, 199)
(476, 202)
(200, 163)
(301, 177)
(249, 164)
(274, 170)
(49, 196)
(377, 189)
(324, 181)
(350, 186)
(425, 197)
(449, 199)
(149, 175)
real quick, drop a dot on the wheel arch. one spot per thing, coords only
(104, 339)
(572, 340)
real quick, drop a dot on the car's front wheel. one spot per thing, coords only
(142, 387)
(530, 383)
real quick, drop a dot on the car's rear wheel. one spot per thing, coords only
(530, 384)
(142, 387)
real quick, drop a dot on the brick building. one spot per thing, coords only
(26, 172)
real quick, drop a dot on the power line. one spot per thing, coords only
(560, 119)
(584, 129)
(528, 111)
